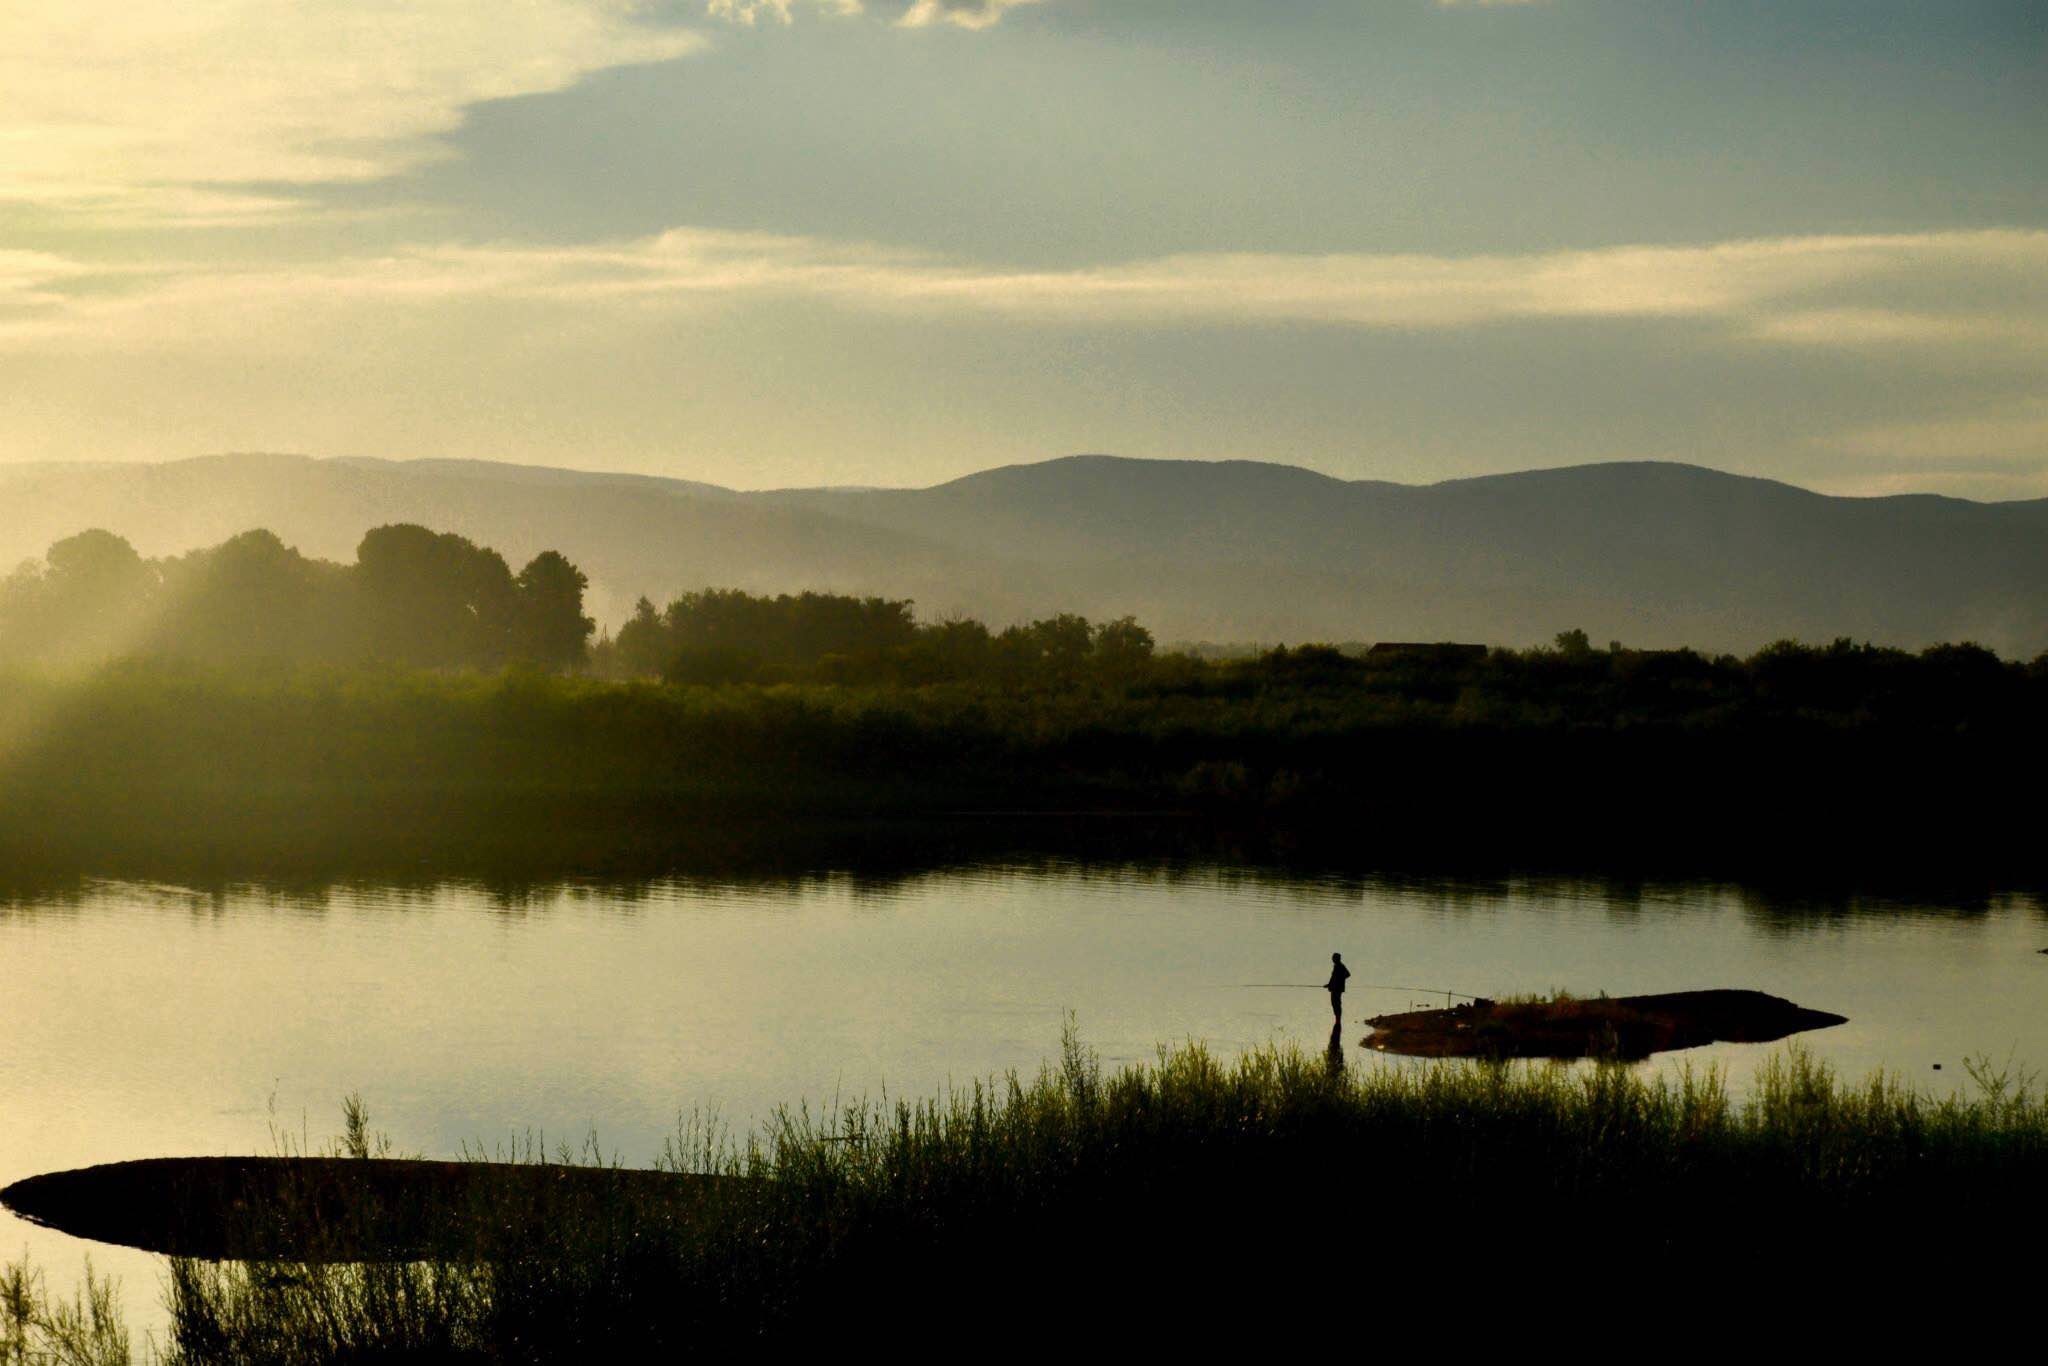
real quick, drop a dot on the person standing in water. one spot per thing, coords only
(1338, 972)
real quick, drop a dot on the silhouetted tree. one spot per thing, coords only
(1309, 666)
(413, 597)
(435, 600)
(722, 635)
(90, 600)
(1055, 647)
(254, 598)
(642, 645)
(550, 628)
(1122, 648)
(958, 648)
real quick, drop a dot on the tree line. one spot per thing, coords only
(413, 597)
(723, 636)
(422, 599)
(727, 636)
(1845, 685)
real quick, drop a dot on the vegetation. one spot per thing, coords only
(1608, 756)
(1282, 1178)
(41, 1329)
(412, 597)
(425, 703)
(725, 636)
(415, 598)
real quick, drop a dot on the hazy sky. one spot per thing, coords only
(769, 242)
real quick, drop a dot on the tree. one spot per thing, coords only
(643, 646)
(434, 600)
(1060, 645)
(956, 648)
(413, 596)
(253, 598)
(550, 628)
(94, 598)
(726, 635)
(1122, 647)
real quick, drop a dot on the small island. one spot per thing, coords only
(342, 1208)
(1623, 1027)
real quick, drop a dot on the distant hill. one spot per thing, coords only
(632, 535)
(1649, 553)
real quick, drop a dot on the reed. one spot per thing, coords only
(39, 1328)
(1282, 1173)
(1281, 1177)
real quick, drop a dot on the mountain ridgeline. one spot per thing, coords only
(1657, 555)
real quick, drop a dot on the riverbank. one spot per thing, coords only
(1091, 1202)
(143, 768)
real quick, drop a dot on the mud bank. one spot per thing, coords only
(1627, 1027)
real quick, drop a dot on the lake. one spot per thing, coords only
(147, 1020)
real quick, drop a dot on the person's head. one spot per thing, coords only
(1336, 958)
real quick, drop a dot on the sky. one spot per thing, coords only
(790, 242)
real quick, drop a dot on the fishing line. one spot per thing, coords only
(1376, 986)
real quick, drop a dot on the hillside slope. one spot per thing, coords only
(1650, 553)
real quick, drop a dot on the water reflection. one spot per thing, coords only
(172, 1013)
(1768, 909)
(880, 860)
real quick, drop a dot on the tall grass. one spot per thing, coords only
(1282, 1177)
(38, 1328)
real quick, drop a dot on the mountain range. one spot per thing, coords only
(1652, 554)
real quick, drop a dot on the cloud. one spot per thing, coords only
(1994, 439)
(781, 11)
(970, 14)
(1838, 291)
(1906, 360)
(1987, 450)
(1887, 327)
(169, 108)
(24, 270)
(29, 282)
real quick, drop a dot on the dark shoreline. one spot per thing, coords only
(1622, 1028)
(334, 1209)
(146, 771)
(752, 848)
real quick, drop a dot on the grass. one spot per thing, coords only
(41, 1329)
(1212, 1200)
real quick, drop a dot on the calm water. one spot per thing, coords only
(144, 1020)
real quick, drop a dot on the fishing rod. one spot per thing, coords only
(1444, 992)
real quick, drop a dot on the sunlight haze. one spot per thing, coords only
(686, 679)
(770, 243)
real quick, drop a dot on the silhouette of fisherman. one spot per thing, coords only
(1338, 972)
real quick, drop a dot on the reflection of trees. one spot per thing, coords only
(876, 860)
(1789, 911)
